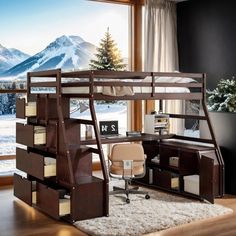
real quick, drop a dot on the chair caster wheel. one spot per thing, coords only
(127, 200)
(147, 196)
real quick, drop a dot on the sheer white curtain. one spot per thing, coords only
(161, 50)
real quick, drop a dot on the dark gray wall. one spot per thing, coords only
(207, 38)
(224, 127)
(207, 43)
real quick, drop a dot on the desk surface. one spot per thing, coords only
(123, 138)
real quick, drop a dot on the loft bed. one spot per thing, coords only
(122, 85)
(112, 85)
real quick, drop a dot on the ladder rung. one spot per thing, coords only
(86, 150)
(84, 121)
(181, 116)
(95, 150)
(77, 95)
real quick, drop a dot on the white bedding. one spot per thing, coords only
(118, 91)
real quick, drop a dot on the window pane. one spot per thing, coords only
(7, 134)
(56, 34)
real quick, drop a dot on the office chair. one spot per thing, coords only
(127, 162)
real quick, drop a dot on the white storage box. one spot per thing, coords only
(174, 161)
(191, 184)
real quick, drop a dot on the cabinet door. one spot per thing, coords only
(88, 199)
(207, 178)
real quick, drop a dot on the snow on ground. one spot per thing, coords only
(8, 126)
(104, 112)
(7, 134)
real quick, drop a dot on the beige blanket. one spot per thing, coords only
(117, 90)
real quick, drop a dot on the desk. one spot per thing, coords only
(123, 138)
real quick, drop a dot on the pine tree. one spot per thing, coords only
(108, 56)
(223, 97)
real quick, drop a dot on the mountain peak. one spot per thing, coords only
(10, 57)
(63, 41)
(66, 52)
(76, 39)
(2, 47)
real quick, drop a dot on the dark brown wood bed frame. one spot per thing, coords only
(71, 150)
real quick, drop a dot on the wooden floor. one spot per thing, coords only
(17, 218)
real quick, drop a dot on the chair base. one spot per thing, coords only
(127, 191)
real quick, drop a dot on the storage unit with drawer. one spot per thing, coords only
(43, 157)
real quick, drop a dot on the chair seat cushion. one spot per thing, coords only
(118, 170)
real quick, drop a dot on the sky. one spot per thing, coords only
(30, 25)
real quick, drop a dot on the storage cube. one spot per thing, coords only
(174, 161)
(165, 179)
(191, 184)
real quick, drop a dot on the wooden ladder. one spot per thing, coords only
(85, 150)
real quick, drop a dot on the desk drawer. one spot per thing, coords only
(24, 189)
(30, 135)
(51, 201)
(24, 109)
(35, 164)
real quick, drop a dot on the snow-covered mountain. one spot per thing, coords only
(66, 52)
(10, 57)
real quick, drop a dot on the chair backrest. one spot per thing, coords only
(129, 151)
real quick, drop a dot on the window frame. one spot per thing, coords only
(135, 21)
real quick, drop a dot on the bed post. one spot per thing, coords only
(219, 155)
(99, 146)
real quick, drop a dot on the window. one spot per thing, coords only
(56, 34)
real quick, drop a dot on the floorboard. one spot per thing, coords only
(17, 218)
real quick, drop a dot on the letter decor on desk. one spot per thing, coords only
(109, 127)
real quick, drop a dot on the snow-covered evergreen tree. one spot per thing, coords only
(108, 56)
(223, 97)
